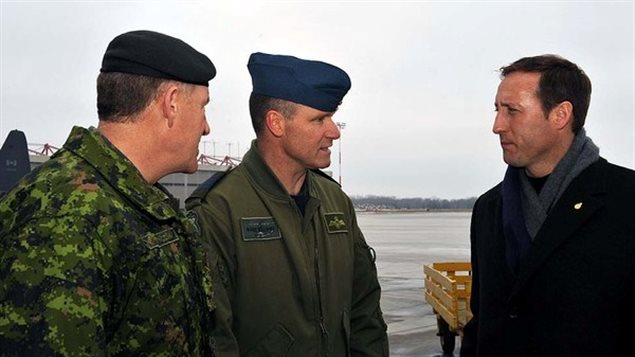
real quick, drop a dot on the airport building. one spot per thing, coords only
(179, 185)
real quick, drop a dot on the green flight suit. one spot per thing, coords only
(95, 261)
(288, 284)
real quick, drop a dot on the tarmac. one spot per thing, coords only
(412, 326)
(403, 243)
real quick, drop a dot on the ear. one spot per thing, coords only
(169, 104)
(274, 121)
(562, 115)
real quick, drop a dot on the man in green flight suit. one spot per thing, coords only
(95, 257)
(293, 273)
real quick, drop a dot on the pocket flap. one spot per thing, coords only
(160, 239)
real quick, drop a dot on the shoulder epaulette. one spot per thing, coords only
(202, 189)
(323, 174)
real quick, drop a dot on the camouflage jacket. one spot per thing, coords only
(95, 261)
(287, 283)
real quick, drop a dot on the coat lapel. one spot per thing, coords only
(579, 202)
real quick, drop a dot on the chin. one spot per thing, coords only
(513, 162)
(190, 169)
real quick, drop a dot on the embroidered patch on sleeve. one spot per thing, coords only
(193, 218)
(335, 222)
(259, 228)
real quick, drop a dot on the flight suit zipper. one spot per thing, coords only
(325, 335)
(307, 223)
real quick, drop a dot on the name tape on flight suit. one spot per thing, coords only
(259, 228)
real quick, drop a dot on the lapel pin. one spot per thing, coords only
(577, 205)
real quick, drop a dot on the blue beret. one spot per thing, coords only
(154, 54)
(312, 83)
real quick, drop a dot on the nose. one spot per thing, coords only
(500, 124)
(206, 129)
(333, 131)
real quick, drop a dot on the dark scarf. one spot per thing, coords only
(524, 211)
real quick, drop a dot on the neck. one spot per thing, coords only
(550, 160)
(134, 141)
(287, 170)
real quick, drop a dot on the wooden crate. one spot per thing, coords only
(447, 289)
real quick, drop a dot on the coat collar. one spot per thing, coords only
(264, 177)
(113, 165)
(578, 204)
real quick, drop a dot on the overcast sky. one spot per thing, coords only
(424, 73)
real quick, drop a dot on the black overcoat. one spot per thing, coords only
(575, 293)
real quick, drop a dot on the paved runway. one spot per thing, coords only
(403, 243)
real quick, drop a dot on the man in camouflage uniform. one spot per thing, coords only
(295, 276)
(96, 258)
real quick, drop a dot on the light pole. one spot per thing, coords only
(340, 126)
(205, 142)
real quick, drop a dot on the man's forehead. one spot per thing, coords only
(312, 111)
(202, 91)
(518, 84)
(521, 80)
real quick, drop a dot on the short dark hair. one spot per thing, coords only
(122, 95)
(259, 105)
(560, 80)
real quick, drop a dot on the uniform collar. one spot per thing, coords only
(265, 177)
(117, 170)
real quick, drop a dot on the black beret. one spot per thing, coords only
(316, 84)
(154, 54)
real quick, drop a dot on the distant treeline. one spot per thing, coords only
(390, 202)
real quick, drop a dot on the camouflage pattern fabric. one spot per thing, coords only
(95, 261)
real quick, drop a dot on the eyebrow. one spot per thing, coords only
(502, 104)
(325, 115)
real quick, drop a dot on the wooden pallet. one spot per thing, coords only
(447, 289)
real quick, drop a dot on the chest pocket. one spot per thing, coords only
(166, 263)
(157, 277)
(165, 260)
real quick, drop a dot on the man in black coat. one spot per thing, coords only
(553, 245)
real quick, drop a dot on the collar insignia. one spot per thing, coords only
(192, 217)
